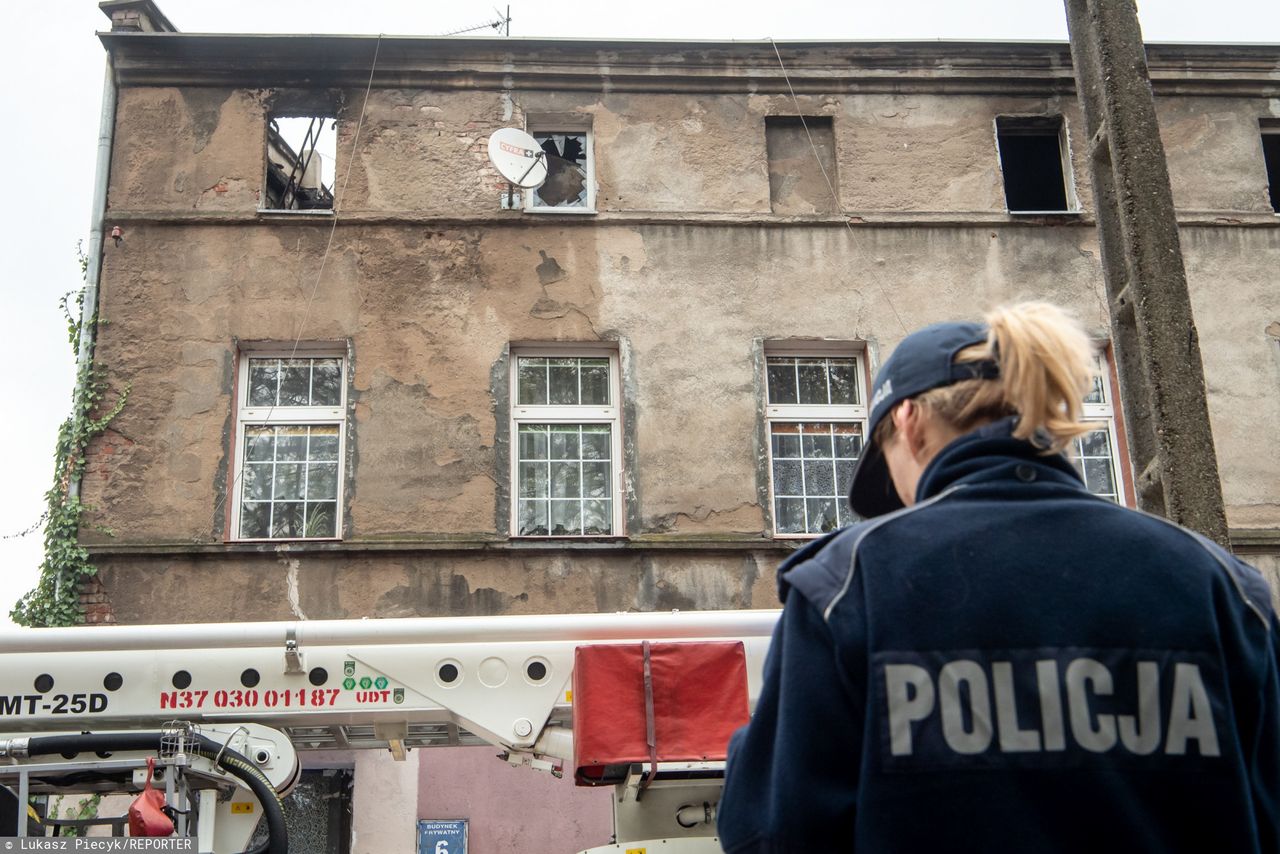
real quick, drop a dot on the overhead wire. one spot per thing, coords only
(835, 195)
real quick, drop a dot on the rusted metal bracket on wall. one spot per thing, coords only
(1153, 332)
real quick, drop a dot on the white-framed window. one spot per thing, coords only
(566, 448)
(290, 425)
(816, 420)
(1097, 453)
(570, 186)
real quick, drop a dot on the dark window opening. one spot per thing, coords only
(802, 164)
(1031, 158)
(301, 151)
(1271, 154)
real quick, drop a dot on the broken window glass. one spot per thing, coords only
(301, 153)
(567, 179)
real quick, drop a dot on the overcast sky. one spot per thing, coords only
(53, 87)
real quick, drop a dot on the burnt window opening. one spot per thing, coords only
(1271, 156)
(569, 168)
(800, 150)
(301, 153)
(1033, 162)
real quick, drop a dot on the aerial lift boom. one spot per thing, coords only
(259, 692)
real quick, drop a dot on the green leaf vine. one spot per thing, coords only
(55, 600)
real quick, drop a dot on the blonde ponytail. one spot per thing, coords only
(1046, 365)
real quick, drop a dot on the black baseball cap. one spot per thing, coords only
(923, 360)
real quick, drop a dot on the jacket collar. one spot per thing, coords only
(992, 453)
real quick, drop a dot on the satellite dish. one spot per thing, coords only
(518, 157)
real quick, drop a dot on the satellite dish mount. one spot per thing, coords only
(519, 159)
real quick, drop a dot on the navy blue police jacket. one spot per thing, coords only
(1012, 664)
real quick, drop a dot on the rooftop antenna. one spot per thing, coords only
(519, 158)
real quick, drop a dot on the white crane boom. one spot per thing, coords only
(395, 684)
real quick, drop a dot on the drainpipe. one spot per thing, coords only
(89, 310)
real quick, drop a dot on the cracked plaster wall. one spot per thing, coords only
(429, 310)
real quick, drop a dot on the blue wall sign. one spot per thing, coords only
(442, 837)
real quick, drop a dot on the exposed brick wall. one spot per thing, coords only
(96, 603)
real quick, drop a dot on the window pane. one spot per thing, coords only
(291, 443)
(321, 519)
(782, 381)
(255, 520)
(326, 382)
(817, 441)
(789, 513)
(531, 379)
(563, 380)
(295, 382)
(323, 443)
(533, 518)
(844, 384)
(813, 382)
(822, 515)
(564, 443)
(566, 518)
(257, 482)
(1097, 476)
(287, 520)
(1094, 444)
(844, 476)
(819, 477)
(848, 440)
(787, 477)
(786, 440)
(595, 480)
(533, 480)
(322, 481)
(260, 443)
(533, 441)
(597, 517)
(262, 382)
(596, 442)
(595, 382)
(566, 480)
(288, 481)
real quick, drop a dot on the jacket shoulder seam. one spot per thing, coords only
(873, 525)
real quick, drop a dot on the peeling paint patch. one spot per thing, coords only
(549, 271)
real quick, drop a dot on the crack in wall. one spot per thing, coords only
(291, 584)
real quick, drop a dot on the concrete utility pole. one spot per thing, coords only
(1154, 335)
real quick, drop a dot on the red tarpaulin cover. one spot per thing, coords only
(699, 699)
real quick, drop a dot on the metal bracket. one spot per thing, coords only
(292, 656)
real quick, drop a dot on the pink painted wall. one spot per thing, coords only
(511, 809)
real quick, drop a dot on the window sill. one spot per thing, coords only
(570, 211)
(316, 212)
(295, 541)
(1073, 213)
(460, 544)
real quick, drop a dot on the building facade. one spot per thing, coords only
(369, 381)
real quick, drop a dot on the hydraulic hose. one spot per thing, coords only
(233, 762)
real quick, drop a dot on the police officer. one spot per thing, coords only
(995, 659)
